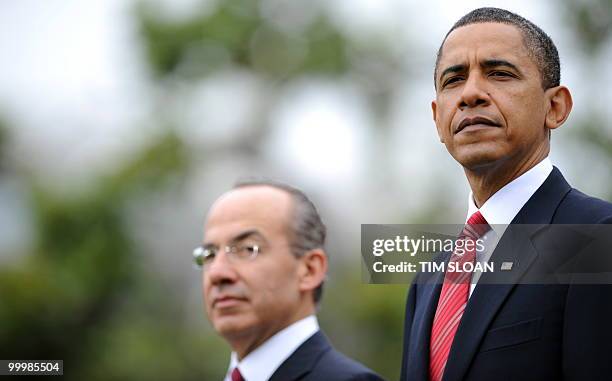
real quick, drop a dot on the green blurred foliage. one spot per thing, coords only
(235, 33)
(365, 321)
(591, 21)
(84, 269)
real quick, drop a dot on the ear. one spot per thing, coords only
(313, 269)
(559, 105)
(434, 107)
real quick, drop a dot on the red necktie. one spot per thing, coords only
(453, 298)
(236, 376)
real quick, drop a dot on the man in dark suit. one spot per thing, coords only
(498, 97)
(263, 270)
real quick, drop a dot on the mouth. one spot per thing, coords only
(477, 123)
(227, 301)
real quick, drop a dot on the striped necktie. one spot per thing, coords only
(454, 297)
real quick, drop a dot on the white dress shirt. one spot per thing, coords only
(261, 364)
(501, 208)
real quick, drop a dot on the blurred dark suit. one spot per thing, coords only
(317, 360)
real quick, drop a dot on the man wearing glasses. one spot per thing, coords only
(263, 270)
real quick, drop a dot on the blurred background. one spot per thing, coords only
(121, 122)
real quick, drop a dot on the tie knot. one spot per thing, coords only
(476, 226)
(236, 376)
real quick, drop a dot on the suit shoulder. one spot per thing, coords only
(334, 366)
(579, 208)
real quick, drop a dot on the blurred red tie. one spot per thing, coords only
(236, 376)
(454, 297)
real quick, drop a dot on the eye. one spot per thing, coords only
(501, 74)
(246, 250)
(451, 80)
(251, 249)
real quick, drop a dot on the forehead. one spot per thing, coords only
(484, 41)
(262, 208)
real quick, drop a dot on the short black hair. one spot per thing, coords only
(540, 46)
(307, 231)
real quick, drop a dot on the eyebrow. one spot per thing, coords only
(490, 63)
(246, 234)
(497, 63)
(452, 69)
(239, 237)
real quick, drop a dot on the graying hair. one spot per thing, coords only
(307, 231)
(539, 45)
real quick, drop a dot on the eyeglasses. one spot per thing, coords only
(203, 257)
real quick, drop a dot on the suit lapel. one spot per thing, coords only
(418, 362)
(303, 359)
(515, 246)
(487, 299)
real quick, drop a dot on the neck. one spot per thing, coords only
(486, 180)
(248, 342)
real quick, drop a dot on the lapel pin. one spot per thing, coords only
(506, 266)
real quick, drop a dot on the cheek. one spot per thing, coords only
(445, 118)
(444, 110)
(525, 115)
(521, 104)
(206, 289)
(275, 288)
(205, 286)
(445, 129)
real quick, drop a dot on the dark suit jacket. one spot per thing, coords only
(517, 331)
(317, 360)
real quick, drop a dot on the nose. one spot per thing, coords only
(474, 92)
(220, 270)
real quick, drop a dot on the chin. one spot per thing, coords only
(474, 159)
(232, 326)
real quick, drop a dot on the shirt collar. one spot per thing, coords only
(501, 208)
(261, 364)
